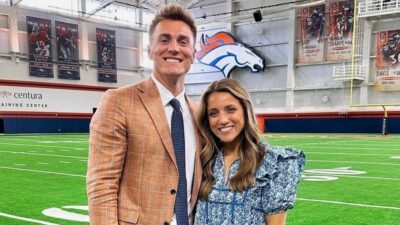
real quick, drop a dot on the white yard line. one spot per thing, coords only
(28, 153)
(350, 142)
(26, 219)
(397, 148)
(64, 162)
(366, 177)
(349, 203)
(371, 163)
(42, 163)
(327, 142)
(42, 171)
(347, 153)
(37, 138)
(43, 146)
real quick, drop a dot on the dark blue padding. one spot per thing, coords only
(331, 125)
(45, 125)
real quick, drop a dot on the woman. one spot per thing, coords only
(244, 181)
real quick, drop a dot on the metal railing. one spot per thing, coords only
(368, 8)
(343, 72)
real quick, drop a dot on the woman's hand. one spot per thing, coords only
(276, 219)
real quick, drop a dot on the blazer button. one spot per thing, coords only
(173, 191)
(166, 223)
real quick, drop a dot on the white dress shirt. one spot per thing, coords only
(190, 136)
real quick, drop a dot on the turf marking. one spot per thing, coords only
(365, 177)
(370, 163)
(66, 162)
(329, 174)
(42, 171)
(396, 157)
(351, 148)
(27, 153)
(42, 163)
(45, 136)
(344, 142)
(18, 164)
(66, 215)
(349, 203)
(44, 146)
(318, 178)
(65, 141)
(335, 171)
(26, 219)
(347, 153)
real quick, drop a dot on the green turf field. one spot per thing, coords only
(349, 179)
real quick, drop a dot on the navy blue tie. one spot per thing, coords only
(178, 139)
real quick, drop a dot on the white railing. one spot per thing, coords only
(368, 8)
(343, 72)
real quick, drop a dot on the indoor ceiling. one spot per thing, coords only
(153, 5)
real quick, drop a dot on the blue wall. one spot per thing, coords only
(31, 125)
(331, 125)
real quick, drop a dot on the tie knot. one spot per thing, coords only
(175, 104)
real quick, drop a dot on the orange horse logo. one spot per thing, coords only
(224, 52)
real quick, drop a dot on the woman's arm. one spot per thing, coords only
(276, 219)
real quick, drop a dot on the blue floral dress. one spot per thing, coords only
(274, 191)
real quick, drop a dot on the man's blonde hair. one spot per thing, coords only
(173, 12)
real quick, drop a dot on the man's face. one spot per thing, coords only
(171, 48)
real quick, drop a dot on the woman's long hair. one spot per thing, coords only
(250, 154)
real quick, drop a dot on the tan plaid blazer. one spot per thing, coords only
(132, 172)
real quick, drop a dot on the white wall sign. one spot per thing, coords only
(32, 99)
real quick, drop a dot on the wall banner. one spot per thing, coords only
(106, 57)
(67, 51)
(39, 47)
(341, 20)
(312, 20)
(388, 61)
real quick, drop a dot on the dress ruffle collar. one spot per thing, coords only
(273, 156)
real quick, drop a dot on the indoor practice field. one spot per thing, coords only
(350, 179)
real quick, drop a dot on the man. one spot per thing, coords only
(135, 171)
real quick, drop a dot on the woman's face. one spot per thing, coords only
(226, 116)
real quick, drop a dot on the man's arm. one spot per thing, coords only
(107, 148)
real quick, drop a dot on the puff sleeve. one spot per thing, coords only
(279, 176)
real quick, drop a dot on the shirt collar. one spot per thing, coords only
(167, 96)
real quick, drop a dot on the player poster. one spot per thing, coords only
(312, 20)
(340, 30)
(39, 47)
(106, 61)
(388, 61)
(67, 51)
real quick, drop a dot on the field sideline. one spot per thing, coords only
(350, 179)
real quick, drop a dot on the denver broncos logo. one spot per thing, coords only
(224, 52)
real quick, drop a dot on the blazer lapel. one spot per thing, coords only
(152, 101)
